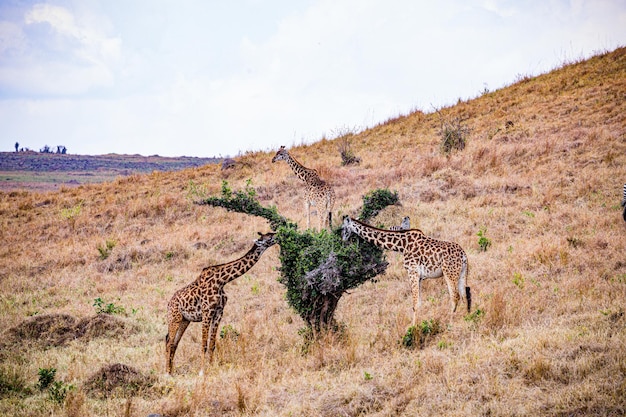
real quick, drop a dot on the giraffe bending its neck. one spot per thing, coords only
(204, 299)
(318, 192)
(424, 257)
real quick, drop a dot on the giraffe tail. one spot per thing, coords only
(330, 219)
(464, 290)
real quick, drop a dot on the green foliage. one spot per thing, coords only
(316, 267)
(107, 308)
(417, 335)
(410, 337)
(375, 201)
(58, 391)
(518, 280)
(72, 212)
(105, 250)
(229, 332)
(475, 317)
(483, 241)
(46, 377)
(367, 376)
(244, 201)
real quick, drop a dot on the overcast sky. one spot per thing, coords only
(217, 77)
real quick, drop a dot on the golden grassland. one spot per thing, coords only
(541, 176)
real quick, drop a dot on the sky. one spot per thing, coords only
(219, 78)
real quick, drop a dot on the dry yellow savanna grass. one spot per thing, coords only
(540, 177)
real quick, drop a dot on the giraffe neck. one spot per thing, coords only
(386, 239)
(305, 174)
(233, 270)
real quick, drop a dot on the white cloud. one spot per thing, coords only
(202, 78)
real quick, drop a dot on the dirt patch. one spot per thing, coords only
(58, 329)
(118, 379)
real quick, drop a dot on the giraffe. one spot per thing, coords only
(424, 257)
(317, 191)
(405, 225)
(204, 299)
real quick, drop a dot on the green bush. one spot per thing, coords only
(46, 377)
(317, 268)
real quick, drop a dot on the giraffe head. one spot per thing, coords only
(281, 155)
(265, 240)
(347, 228)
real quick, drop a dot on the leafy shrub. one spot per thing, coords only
(417, 335)
(483, 241)
(46, 377)
(107, 308)
(57, 392)
(229, 332)
(105, 250)
(375, 201)
(316, 267)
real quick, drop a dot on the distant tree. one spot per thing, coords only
(17, 146)
(61, 149)
(45, 149)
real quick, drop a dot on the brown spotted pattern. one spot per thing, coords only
(424, 257)
(204, 299)
(317, 191)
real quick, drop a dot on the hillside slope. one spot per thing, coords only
(541, 177)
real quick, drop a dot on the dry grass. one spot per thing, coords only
(541, 173)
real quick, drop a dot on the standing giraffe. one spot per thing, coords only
(424, 257)
(204, 299)
(317, 192)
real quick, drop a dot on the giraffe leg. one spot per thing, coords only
(176, 329)
(207, 321)
(307, 208)
(452, 290)
(416, 287)
(216, 324)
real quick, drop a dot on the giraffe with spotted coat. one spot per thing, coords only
(204, 299)
(424, 258)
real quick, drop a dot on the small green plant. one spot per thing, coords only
(483, 241)
(367, 376)
(255, 288)
(105, 250)
(416, 335)
(107, 308)
(443, 345)
(72, 213)
(57, 391)
(475, 317)
(169, 255)
(46, 377)
(229, 332)
(518, 280)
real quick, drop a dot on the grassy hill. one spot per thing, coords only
(540, 177)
